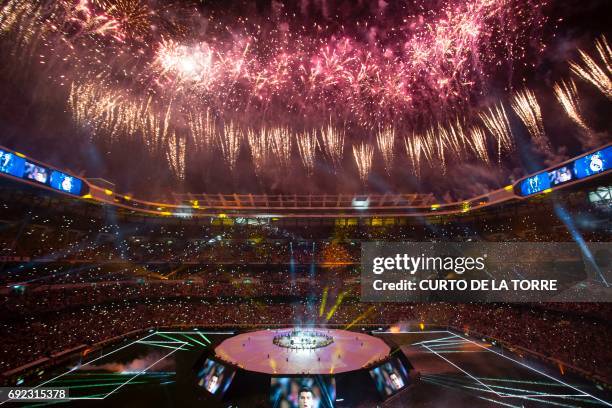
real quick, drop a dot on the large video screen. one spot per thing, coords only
(36, 173)
(594, 163)
(390, 377)
(584, 167)
(535, 184)
(560, 175)
(11, 164)
(303, 392)
(64, 182)
(215, 377)
(14, 165)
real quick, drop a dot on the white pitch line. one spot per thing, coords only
(194, 332)
(584, 394)
(465, 372)
(144, 370)
(505, 394)
(443, 339)
(446, 343)
(137, 374)
(95, 359)
(121, 348)
(75, 368)
(408, 332)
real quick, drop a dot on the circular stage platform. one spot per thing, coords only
(257, 351)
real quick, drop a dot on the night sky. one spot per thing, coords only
(41, 67)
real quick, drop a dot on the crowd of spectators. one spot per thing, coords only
(50, 234)
(33, 336)
(71, 278)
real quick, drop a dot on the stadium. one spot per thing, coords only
(313, 203)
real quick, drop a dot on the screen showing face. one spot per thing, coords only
(560, 175)
(595, 163)
(11, 164)
(36, 173)
(66, 183)
(303, 392)
(390, 377)
(215, 377)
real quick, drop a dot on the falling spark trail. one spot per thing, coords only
(567, 95)
(413, 147)
(260, 147)
(202, 129)
(333, 144)
(385, 140)
(230, 144)
(307, 146)
(496, 122)
(281, 146)
(176, 155)
(363, 157)
(478, 141)
(528, 110)
(590, 71)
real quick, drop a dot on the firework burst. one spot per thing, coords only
(230, 143)
(452, 136)
(259, 144)
(281, 146)
(567, 95)
(191, 64)
(590, 71)
(307, 146)
(132, 16)
(478, 142)
(496, 121)
(110, 115)
(528, 110)
(137, 75)
(177, 149)
(385, 140)
(438, 147)
(333, 144)
(363, 155)
(414, 148)
(202, 129)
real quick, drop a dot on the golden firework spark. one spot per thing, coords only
(363, 157)
(435, 147)
(590, 71)
(414, 148)
(452, 136)
(230, 143)
(134, 16)
(176, 155)
(202, 129)
(259, 144)
(307, 146)
(333, 144)
(478, 143)
(528, 110)
(281, 145)
(496, 121)
(567, 95)
(109, 114)
(385, 140)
